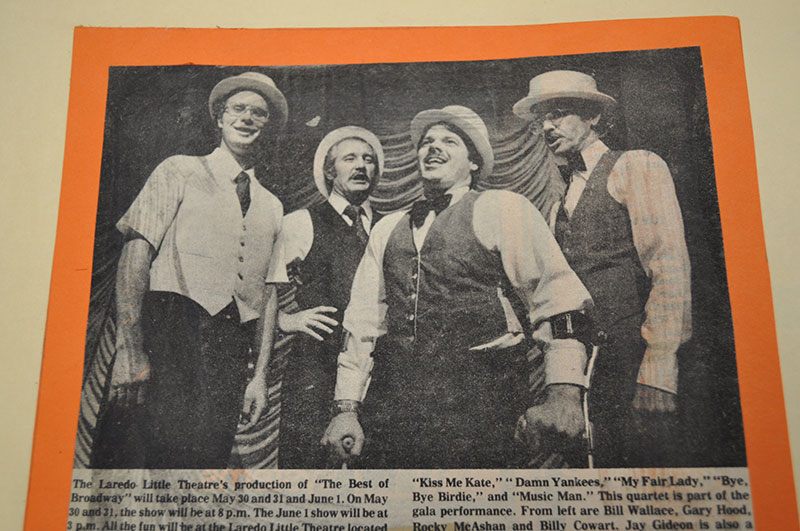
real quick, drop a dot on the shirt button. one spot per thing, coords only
(240, 276)
(244, 227)
(241, 259)
(241, 243)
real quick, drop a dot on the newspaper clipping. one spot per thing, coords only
(480, 295)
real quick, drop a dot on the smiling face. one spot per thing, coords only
(350, 169)
(242, 121)
(444, 159)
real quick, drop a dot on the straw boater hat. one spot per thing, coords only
(466, 120)
(560, 84)
(334, 137)
(279, 110)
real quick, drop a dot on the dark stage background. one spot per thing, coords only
(155, 112)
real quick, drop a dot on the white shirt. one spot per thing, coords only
(505, 223)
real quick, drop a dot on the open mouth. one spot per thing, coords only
(434, 160)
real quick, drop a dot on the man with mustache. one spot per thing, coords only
(450, 379)
(196, 273)
(621, 230)
(323, 246)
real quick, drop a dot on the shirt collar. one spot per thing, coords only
(339, 203)
(224, 167)
(457, 192)
(591, 156)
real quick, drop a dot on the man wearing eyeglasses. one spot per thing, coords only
(620, 228)
(197, 272)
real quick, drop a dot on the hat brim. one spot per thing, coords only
(426, 118)
(274, 97)
(524, 107)
(333, 138)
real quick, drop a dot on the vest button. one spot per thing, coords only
(413, 276)
(410, 317)
(566, 250)
(413, 296)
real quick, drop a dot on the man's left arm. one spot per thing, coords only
(642, 182)
(255, 394)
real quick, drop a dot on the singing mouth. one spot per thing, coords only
(552, 140)
(431, 160)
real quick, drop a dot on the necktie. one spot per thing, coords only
(243, 191)
(574, 163)
(354, 213)
(421, 208)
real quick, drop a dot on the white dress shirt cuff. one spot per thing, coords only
(565, 362)
(354, 369)
(659, 369)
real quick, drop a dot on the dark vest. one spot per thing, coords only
(449, 295)
(598, 245)
(326, 275)
(433, 402)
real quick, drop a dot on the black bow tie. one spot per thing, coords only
(421, 208)
(574, 163)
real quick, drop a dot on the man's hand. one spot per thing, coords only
(313, 322)
(650, 399)
(255, 401)
(558, 420)
(131, 371)
(343, 429)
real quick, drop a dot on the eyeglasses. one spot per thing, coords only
(552, 115)
(257, 114)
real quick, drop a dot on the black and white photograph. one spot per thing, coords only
(505, 264)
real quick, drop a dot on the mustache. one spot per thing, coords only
(551, 137)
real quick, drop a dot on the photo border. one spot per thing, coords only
(97, 49)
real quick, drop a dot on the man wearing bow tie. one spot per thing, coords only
(621, 230)
(195, 286)
(450, 378)
(323, 246)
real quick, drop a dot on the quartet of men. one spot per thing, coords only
(413, 328)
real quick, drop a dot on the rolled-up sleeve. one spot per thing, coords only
(508, 224)
(154, 209)
(365, 317)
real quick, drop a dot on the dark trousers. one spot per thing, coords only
(441, 407)
(611, 394)
(198, 375)
(306, 398)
